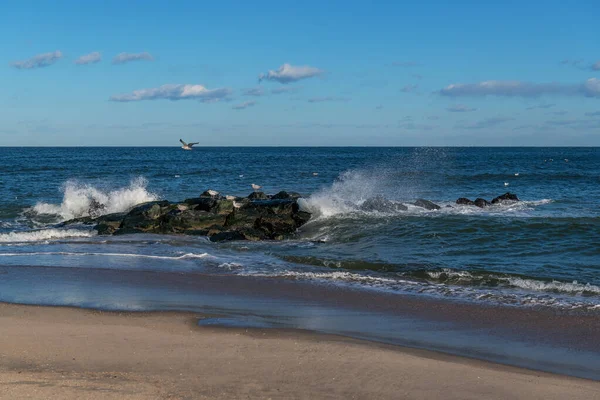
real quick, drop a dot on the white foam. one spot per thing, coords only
(79, 200)
(44, 235)
(554, 286)
(63, 253)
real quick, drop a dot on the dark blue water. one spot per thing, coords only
(541, 252)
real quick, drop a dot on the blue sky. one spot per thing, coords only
(279, 73)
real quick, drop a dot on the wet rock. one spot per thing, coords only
(381, 204)
(283, 195)
(426, 204)
(256, 217)
(506, 197)
(258, 196)
(465, 202)
(481, 203)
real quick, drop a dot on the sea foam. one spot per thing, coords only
(42, 235)
(81, 200)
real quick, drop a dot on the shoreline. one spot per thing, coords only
(541, 340)
(78, 353)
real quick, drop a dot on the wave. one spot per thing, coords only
(186, 256)
(43, 235)
(82, 200)
(353, 190)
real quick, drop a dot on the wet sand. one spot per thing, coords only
(68, 353)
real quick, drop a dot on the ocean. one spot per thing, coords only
(541, 254)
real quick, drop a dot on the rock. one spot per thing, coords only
(190, 220)
(283, 195)
(109, 223)
(258, 196)
(464, 201)
(257, 217)
(381, 204)
(428, 205)
(479, 202)
(506, 197)
(144, 218)
(213, 194)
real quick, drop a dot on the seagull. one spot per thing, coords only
(505, 183)
(315, 174)
(187, 146)
(516, 174)
(255, 186)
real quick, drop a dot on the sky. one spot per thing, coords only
(310, 73)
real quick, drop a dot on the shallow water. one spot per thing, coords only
(541, 252)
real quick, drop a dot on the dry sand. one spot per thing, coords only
(65, 353)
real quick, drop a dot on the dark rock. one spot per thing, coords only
(212, 194)
(95, 208)
(109, 223)
(181, 221)
(506, 197)
(479, 202)
(464, 201)
(218, 217)
(258, 196)
(426, 204)
(381, 204)
(227, 235)
(144, 218)
(283, 195)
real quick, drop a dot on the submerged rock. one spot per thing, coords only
(464, 201)
(426, 204)
(506, 197)
(381, 204)
(481, 203)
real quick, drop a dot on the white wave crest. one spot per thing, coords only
(554, 286)
(63, 253)
(345, 195)
(81, 200)
(42, 235)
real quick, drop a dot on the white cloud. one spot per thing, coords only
(244, 105)
(590, 88)
(460, 108)
(39, 61)
(253, 92)
(123, 58)
(175, 92)
(91, 58)
(288, 73)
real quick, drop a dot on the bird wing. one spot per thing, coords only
(183, 143)
(191, 144)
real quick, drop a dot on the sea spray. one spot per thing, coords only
(81, 200)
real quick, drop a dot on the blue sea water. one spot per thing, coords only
(543, 251)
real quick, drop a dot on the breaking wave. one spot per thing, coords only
(82, 200)
(373, 193)
(45, 234)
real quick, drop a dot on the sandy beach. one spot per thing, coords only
(50, 352)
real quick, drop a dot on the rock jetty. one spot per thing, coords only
(256, 217)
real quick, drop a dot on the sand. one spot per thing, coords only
(66, 353)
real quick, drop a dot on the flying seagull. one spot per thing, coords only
(187, 146)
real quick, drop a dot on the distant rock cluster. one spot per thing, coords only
(481, 203)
